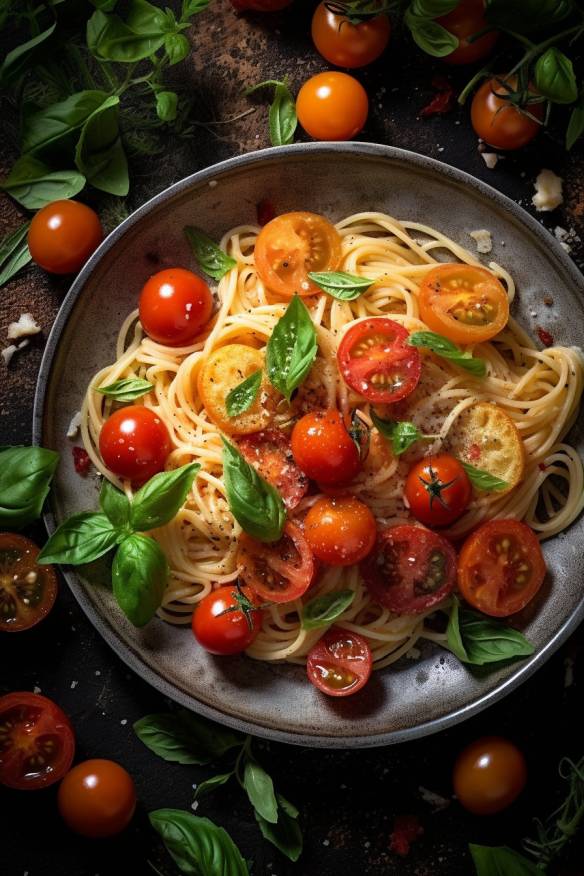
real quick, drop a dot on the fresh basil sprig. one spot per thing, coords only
(25, 478)
(196, 845)
(158, 501)
(483, 480)
(340, 285)
(282, 116)
(211, 258)
(34, 185)
(256, 505)
(260, 790)
(555, 77)
(428, 34)
(139, 577)
(401, 433)
(183, 737)
(242, 396)
(127, 389)
(478, 640)
(501, 861)
(14, 253)
(291, 349)
(441, 346)
(323, 610)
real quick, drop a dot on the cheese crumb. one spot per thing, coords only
(25, 327)
(548, 191)
(490, 159)
(74, 425)
(483, 240)
(436, 801)
(8, 353)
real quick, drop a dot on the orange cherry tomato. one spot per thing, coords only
(489, 774)
(63, 235)
(340, 531)
(345, 44)
(97, 798)
(279, 572)
(340, 663)
(437, 490)
(332, 106)
(134, 443)
(463, 302)
(501, 567)
(497, 121)
(323, 448)
(175, 305)
(290, 246)
(219, 628)
(27, 590)
(466, 19)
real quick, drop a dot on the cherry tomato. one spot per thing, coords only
(260, 5)
(97, 798)
(27, 591)
(36, 741)
(340, 663)
(270, 453)
(501, 567)
(221, 626)
(278, 572)
(290, 246)
(63, 235)
(134, 443)
(410, 569)
(497, 121)
(345, 44)
(340, 531)
(376, 361)
(489, 774)
(464, 21)
(174, 306)
(437, 490)
(323, 448)
(465, 303)
(332, 106)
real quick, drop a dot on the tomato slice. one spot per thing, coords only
(27, 591)
(290, 246)
(501, 567)
(36, 741)
(465, 303)
(279, 572)
(376, 361)
(340, 663)
(410, 569)
(270, 453)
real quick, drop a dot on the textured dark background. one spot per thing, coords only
(348, 800)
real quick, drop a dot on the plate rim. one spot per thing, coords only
(124, 651)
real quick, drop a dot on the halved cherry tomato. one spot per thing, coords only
(220, 623)
(489, 774)
(290, 246)
(410, 570)
(27, 591)
(467, 304)
(501, 567)
(332, 106)
(97, 798)
(175, 305)
(437, 490)
(323, 448)
(486, 437)
(499, 122)
(340, 531)
(466, 19)
(376, 361)
(270, 453)
(340, 663)
(36, 741)
(134, 443)
(63, 235)
(345, 44)
(278, 572)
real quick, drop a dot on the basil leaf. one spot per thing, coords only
(114, 504)
(282, 116)
(430, 36)
(285, 834)
(555, 77)
(343, 286)
(193, 7)
(482, 480)
(14, 253)
(441, 346)
(479, 641)
(105, 5)
(212, 260)
(260, 790)
(34, 185)
(197, 846)
(48, 127)
(160, 499)
(166, 105)
(575, 125)
(242, 396)
(139, 577)
(323, 610)
(433, 8)
(99, 153)
(291, 349)
(182, 737)
(111, 39)
(25, 56)
(25, 477)
(501, 861)
(127, 389)
(81, 539)
(526, 16)
(401, 433)
(210, 784)
(177, 47)
(256, 505)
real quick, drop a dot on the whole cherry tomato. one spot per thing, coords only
(465, 20)
(323, 448)
(220, 623)
(346, 43)
(332, 106)
(489, 774)
(97, 798)
(498, 121)
(134, 443)
(437, 490)
(63, 235)
(340, 531)
(175, 305)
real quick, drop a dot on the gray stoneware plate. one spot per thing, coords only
(413, 698)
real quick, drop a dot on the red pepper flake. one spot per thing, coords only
(474, 452)
(81, 460)
(443, 101)
(266, 212)
(542, 466)
(406, 829)
(545, 337)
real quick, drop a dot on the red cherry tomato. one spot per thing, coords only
(278, 572)
(497, 121)
(410, 569)
(340, 531)
(219, 628)
(466, 19)
(345, 44)
(332, 106)
(340, 663)
(437, 490)
(134, 443)
(36, 741)
(97, 798)
(270, 453)
(63, 235)
(323, 448)
(27, 590)
(489, 774)
(175, 305)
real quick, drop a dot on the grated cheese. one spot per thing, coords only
(548, 191)
(74, 425)
(483, 240)
(25, 327)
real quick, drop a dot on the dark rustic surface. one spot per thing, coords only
(348, 800)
